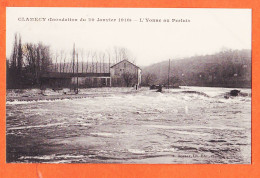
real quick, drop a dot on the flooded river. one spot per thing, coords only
(176, 126)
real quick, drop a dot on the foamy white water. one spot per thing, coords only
(198, 126)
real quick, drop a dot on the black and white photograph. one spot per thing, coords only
(128, 85)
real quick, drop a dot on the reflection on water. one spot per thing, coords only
(137, 127)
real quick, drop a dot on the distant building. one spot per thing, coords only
(125, 73)
(121, 74)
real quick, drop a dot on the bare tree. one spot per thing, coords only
(116, 55)
(109, 55)
(19, 58)
(61, 56)
(128, 78)
(93, 55)
(149, 79)
(63, 60)
(122, 53)
(36, 60)
(56, 62)
(70, 67)
(103, 57)
(82, 60)
(87, 56)
(96, 64)
(14, 53)
(30, 57)
(101, 61)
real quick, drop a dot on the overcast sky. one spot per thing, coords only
(208, 31)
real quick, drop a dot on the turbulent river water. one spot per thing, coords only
(144, 126)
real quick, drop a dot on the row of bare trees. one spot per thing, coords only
(90, 61)
(29, 61)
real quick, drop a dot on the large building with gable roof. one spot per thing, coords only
(125, 74)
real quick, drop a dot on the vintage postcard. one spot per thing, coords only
(128, 85)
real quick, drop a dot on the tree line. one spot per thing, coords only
(228, 68)
(26, 63)
(29, 61)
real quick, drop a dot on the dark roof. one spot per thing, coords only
(70, 75)
(127, 61)
(56, 75)
(92, 75)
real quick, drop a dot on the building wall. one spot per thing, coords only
(88, 82)
(55, 83)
